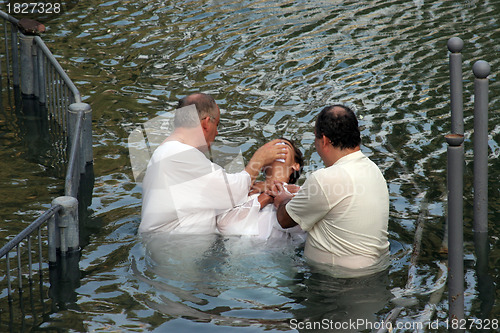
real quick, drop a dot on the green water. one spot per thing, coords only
(271, 65)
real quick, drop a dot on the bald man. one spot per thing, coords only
(183, 191)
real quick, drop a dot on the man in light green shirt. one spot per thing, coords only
(345, 206)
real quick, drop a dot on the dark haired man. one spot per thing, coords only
(345, 206)
(183, 190)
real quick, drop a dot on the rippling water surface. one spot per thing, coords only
(271, 65)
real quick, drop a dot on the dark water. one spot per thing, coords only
(271, 65)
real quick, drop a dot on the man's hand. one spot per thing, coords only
(292, 188)
(281, 198)
(265, 155)
(258, 187)
(280, 194)
(270, 152)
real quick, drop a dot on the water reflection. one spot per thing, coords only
(64, 280)
(338, 302)
(243, 281)
(486, 285)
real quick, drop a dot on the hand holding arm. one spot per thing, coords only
(292, 188)
(265, 199)
(281, 198)
(258, 187)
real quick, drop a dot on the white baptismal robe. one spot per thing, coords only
(183, 191)
(250, 220)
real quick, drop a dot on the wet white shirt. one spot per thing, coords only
(183, 191)
(250, 220)
(345, 210)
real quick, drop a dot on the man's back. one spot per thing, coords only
(347, 208)
(183, 191)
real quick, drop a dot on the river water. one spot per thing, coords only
(271, 66)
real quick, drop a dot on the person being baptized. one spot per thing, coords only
(257, 216)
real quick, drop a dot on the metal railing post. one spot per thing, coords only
(6, 40)
(66, 224)
(42, 89)
(86, 136)
(455, 171)
(455, 46)
(27, 69)
(34, 61)
(15, 55)
(52, 239)
(481, 71)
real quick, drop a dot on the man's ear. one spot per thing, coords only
(204, 123)
(325, 141)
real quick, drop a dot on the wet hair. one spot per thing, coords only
(340, 125)
(205, 106)
(298, 157)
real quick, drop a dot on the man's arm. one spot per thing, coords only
(281, 198)
(283, 218)
(264, 200)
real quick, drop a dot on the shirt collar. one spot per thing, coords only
(350, 157)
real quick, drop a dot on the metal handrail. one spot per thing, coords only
(52, 86)
(59, 88)
(16, 241)
(9, 18)
(32, 227)
(48, 82)
(76, 94)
